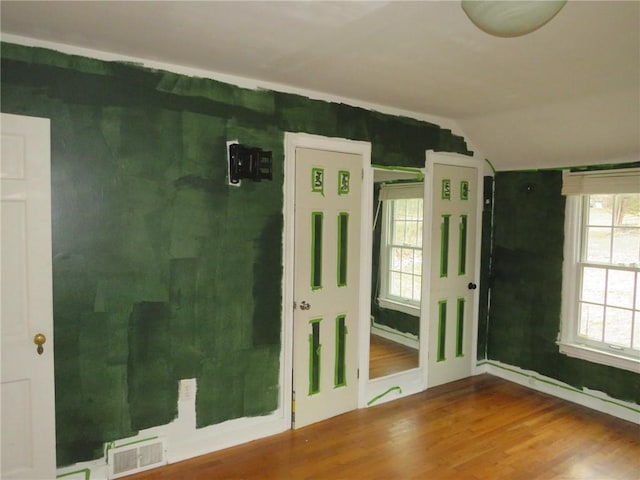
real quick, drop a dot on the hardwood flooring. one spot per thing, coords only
(479, 428)
(387, 357)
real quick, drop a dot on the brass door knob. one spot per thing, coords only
(39, 340)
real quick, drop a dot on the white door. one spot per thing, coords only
(28, 411)
(326, 283)
(455, 192)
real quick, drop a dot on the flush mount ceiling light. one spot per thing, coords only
(511, 18)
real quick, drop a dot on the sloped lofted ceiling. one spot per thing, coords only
(567, 94)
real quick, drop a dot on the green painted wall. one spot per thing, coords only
(524, 314)
(485, 267)
(161, 271)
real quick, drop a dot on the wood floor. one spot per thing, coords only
(480, 428)
(387, 357)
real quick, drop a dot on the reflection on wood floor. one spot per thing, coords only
(387, 357)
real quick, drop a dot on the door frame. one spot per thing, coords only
(318, 142)
(446, 158)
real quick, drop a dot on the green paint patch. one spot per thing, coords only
(152, 385)
(524, 315)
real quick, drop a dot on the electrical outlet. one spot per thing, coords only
(187, 390)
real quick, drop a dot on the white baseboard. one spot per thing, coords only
(593, 399)
(184, 441)
(394, 335)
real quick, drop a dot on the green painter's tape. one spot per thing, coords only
(462, 246)
(558, 385)
(317, 180)
(464, 190)
(343, 244)
(378, 397)
(460, 328)
(444, 246)
(344, 178)
(86, 471)
(442, 330)
(316, 250)
(314, 356)
(340, 378)
(493, 169)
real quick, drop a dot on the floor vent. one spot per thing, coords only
(136, 456)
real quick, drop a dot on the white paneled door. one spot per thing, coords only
(28, 410)
(455, 192)
(326, 283)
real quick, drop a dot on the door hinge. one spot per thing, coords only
(293, 408)
(358, 373)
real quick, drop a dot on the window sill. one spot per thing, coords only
(400, 307)
(598, 356)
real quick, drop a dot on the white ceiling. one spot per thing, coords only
(567, 94)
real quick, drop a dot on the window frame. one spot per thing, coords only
(569, 341)
(405, 191)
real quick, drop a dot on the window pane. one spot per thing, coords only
(411, 236)
(636, 331)
(417, 262)
(598, 244)
(417, 288)
(396, 258)
(400, 209)
(406, 289)
(620, 288)
(413, 213)
(627, 210)
(593, 285)
(618, 327)
(407, 260)
(404, 246)
(600, 210)
(398, 236)
(637, 293)
(626, 245)
(591, 321)
(394, 284)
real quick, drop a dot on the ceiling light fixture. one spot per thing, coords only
(511, 18)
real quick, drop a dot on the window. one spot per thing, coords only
(401, 247)
(601, 297)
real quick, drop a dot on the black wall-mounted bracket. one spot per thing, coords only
(249, 162)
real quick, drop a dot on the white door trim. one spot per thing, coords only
(455, 159)
(303, 140)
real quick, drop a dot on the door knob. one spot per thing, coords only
(39, 340)
(472, 286)
(304, 305)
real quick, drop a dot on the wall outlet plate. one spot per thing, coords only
(187, 391)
